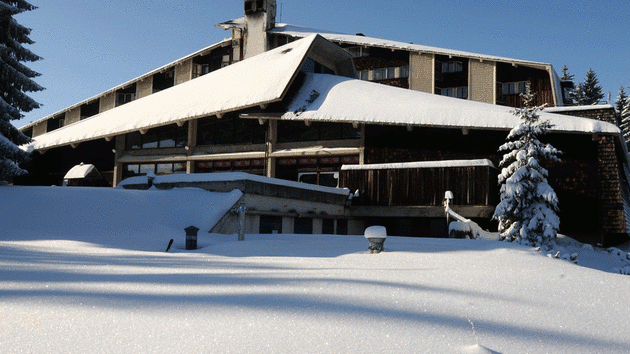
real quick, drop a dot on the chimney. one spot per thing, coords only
(260, 16)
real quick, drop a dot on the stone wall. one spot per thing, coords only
(612, 216)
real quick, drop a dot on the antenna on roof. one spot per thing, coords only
(280, 16)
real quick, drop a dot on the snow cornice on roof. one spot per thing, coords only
(300, 32)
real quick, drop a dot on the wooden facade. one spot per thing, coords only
(471, 185)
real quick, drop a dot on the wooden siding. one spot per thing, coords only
(422, 186)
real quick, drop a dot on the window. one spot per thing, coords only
(452, 66)
(404, 71)
(358, 51)
(292, 131)
(270, 224)
(163, 80)
(513, 88)
(328, 179)
(252, 6)
(459, 92)
(303, 226)
(342, 227)
(391, 73)
(328, 226)
(55, 123)
(122, 98)
(200, 70)
(170, 136)
(230, 130)
(131, 170)
(364, 75)
(90, 109)
(379, 74)
(254, 166)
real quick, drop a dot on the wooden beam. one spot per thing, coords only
(467, 211)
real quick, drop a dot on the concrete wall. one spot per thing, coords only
(107, 102)
(256, 40)
(422, 72)
(73, 115)
(144, 87)
(482, 81)
(183, 72)
(40, 128)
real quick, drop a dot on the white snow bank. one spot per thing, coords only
(381, 104)
(61, 291)
(143, 220)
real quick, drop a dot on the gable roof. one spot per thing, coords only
(257, 81)
(330, 98)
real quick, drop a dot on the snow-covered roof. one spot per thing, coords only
(242, 176)
(579, 108)
(130, 82)
(79, 171)
(332, 98)
(297, 31)
(256, 81)
(421, 164)
(235, 23)
(265, 78)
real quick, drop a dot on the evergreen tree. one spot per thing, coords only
(15, 80)
(565, 74)
(620, 104)
(527, 211)
(588, 92)
(625, 123)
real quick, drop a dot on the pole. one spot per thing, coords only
(241, 222)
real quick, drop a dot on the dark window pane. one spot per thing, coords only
(303, 226)
(270, 224)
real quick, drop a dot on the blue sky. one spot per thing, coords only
(91, 46)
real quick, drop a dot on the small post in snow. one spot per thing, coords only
(448, 197)
(191, 237)
(241, 210)
(376, 235)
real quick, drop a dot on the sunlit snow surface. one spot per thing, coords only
(84, 271)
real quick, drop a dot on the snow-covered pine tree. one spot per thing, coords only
(527, 211)
(620, 104)
(588, 92)
(625, 123)
(15, 80)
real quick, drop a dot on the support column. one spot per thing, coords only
(118, 166)
(272, 138)
(192, 144)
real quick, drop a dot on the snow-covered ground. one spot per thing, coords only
(83, 270)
